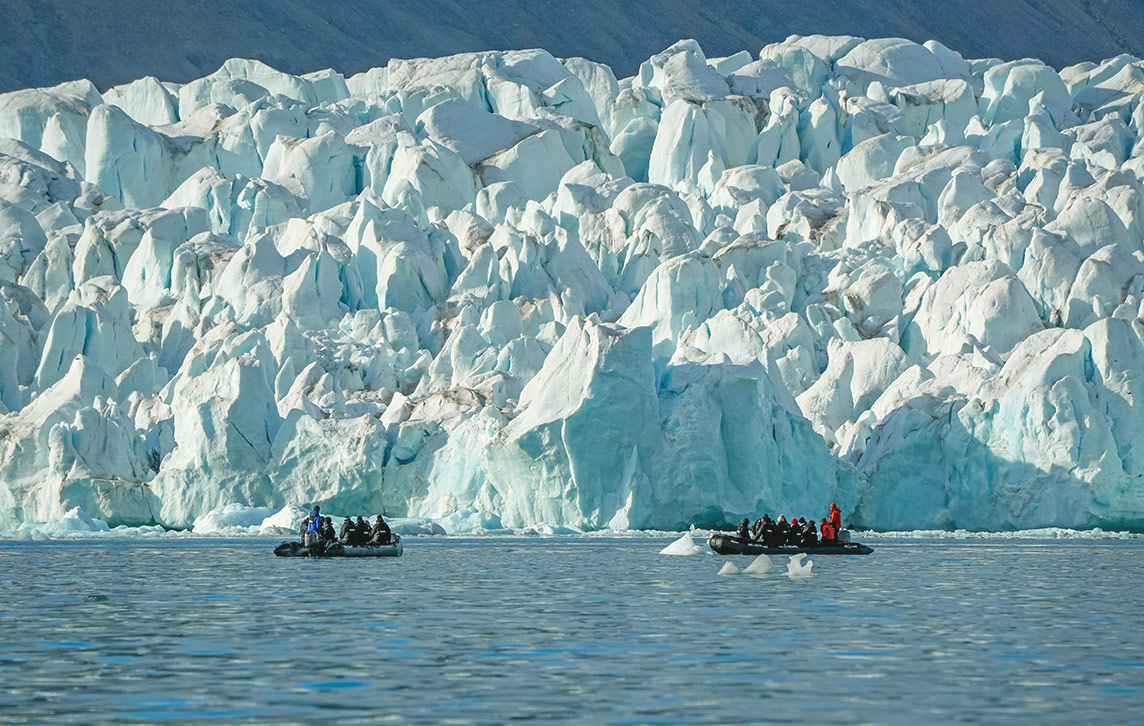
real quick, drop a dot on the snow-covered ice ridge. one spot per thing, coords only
(508, 290)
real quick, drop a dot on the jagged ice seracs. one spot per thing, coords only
(502, 290)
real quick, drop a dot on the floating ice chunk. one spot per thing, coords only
(472, 521)
(761, 565)
(728, 568)
(684, 546)
(796, 568)
(415, 526)
(549, 530)
(285, 521)
(75, 521)
(233, 519)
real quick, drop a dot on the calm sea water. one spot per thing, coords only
(590, 631)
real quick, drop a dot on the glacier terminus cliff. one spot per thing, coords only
(503, 289)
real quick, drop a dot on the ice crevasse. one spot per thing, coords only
(505, 290)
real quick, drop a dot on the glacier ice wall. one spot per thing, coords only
(506, 288)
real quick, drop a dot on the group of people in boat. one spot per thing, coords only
(797, 532)
(319, 530)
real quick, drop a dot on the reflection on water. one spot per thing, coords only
(569, 630)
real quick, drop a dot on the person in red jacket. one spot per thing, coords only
(828, 532)
(835, 517)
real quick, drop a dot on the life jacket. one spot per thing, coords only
(835, 518)
(314, 524)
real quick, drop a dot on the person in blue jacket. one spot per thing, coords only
(314, 525)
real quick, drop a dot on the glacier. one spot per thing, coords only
(503, 291)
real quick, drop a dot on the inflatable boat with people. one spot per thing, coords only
(338, 549)
(781, 537)
(725, 544)
(357, 539)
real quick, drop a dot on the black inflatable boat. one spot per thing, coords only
(337, 549)
(725, 544)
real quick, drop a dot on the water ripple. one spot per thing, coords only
(571, 631)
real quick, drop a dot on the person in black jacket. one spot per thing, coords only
(782, 531)
(767, 535)
(361, 532)
(381, 532)
(345, 535)
(744, 530)
(809, 535)
(795, 538)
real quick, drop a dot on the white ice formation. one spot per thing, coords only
(728, 568)
(503, 290)
(683, 547)
(759, 566)
(797, 568)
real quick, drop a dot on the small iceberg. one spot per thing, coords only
(761, 565)
(728, 568)
(235, 519)
(283, 522)
(796, 568)
(75, 522)
(682, 547)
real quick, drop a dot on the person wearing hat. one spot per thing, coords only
(835, 517)
(809, 533)
(744, 530)
(346, 532)
(767, 531)
(361, 532)
(328, 533)
(313, 526)
(828, 533)
(381, 532)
